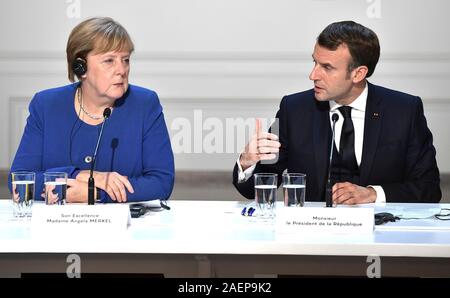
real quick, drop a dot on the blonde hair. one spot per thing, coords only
(97, 35)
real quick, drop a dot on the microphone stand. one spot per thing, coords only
(328, 188)
(91, 182)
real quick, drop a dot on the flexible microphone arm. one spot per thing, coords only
(328, 192)
(91, 182)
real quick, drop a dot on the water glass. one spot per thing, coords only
(55, 188)
(266, 194)
(22, 184)
(294, 189)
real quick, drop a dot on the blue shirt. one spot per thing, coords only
(135, 142)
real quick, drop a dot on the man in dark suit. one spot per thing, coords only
(383, 150)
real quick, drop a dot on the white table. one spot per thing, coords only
(212, 238)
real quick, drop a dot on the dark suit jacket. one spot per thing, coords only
(398, 151)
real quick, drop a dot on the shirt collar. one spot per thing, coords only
(358, 104)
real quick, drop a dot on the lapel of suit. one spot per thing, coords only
(321, 140)
(372, 126)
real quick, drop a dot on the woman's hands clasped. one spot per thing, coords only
(113, 183)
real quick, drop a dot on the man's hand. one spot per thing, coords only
(112, 182)
(350, 194)
(262, 146)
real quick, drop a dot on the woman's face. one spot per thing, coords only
(107, 74)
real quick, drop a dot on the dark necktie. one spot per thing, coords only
(347, 143)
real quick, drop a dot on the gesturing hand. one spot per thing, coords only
(262, 146)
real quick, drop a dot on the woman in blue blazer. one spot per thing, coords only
(134, 160)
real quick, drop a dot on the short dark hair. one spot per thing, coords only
(362, 43)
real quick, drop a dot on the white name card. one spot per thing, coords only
(87, 219)
(341, 220)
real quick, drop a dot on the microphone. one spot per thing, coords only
(328, 192)
(91, 182)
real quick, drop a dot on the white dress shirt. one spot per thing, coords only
(358, 114)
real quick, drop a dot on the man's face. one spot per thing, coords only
(332, 81)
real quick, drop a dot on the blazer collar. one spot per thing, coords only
(359, 103)
(321, 139)
(322, 136)
(372, 126)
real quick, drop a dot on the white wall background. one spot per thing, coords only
(227, 58)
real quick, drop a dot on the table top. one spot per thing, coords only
(217, 227)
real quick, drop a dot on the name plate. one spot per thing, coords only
(74, 218)
(341, 220)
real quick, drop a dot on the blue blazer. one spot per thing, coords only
(135, 142)
(398, 151)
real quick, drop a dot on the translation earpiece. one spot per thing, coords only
(79, 67)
